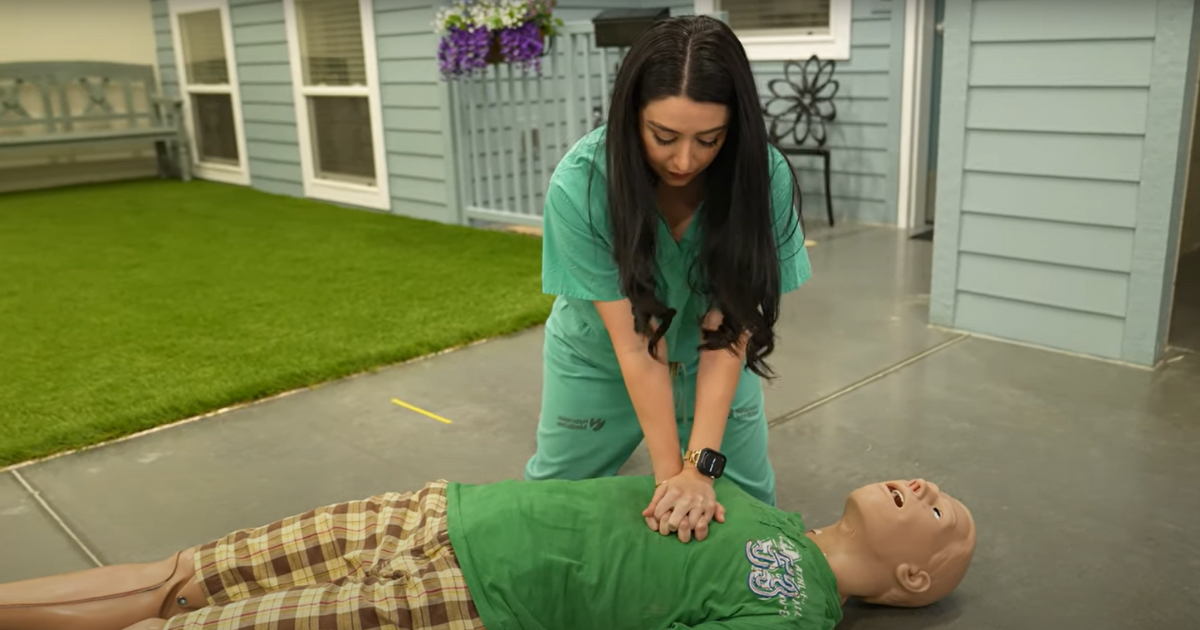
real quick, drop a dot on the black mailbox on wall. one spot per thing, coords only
(621, 27)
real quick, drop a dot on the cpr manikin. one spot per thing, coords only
(898, 543)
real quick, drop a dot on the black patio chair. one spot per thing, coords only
(807, 108)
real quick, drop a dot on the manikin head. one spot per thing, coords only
(900, 543)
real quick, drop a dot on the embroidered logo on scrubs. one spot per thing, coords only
(775, 573)
(744, 412)
(581, 424)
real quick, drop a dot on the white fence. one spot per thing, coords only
(511, 128)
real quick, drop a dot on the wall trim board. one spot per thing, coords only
(956, 65)
(896, 111)
(1159, 195)
(916, 114)
(1184, 166)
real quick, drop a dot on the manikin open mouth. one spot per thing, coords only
(897, 496)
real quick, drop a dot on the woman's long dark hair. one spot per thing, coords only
(700, 58)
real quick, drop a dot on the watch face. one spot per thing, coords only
(711, 463)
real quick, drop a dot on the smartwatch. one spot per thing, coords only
(709, 462)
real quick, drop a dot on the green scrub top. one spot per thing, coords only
(578, 266)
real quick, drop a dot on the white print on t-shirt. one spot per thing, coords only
(775, 573)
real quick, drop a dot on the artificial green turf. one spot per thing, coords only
(126, 306)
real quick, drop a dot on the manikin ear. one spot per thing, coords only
(913, 579)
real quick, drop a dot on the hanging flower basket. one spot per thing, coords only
(479, 33)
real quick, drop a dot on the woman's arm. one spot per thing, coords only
(648, 381)
(694, 504)
(687, 503)
(716, 384)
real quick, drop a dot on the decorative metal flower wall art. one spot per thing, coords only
(807, 105)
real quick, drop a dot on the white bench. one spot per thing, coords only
(72, 102)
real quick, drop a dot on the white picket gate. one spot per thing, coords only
(511, 128)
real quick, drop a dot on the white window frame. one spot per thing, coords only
(377, 196)
(226, 173)
(800, 46)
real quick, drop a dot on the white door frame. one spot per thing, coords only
(914, 114)
(239, 174)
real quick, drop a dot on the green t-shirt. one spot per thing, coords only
(578, 265)
(578, 555)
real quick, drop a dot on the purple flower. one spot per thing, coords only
(477, 33)
(462, 52)
(523, 46)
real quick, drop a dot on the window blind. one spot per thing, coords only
(331, 43)
(776, 15)
(204, 47)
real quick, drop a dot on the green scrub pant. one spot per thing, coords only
(588, 427)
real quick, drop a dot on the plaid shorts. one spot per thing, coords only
(383, 562)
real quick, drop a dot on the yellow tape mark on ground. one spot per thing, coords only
(420, 411)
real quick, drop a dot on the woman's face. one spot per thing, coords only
(682, 137)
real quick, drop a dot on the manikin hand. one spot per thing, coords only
(684, 504)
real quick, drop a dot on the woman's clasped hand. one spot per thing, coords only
(684, 505)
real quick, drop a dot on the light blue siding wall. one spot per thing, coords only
(410, 92)
(417, 133)
(268, 104)
(268, 108)
(864, 141)
(1059, 149)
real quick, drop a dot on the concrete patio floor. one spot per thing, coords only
(1081, 474)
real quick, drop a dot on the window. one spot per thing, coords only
(208, 82)
(776, 30)
(332, 45)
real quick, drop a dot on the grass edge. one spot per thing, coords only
(265, 399)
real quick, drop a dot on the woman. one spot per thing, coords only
(669, 237)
